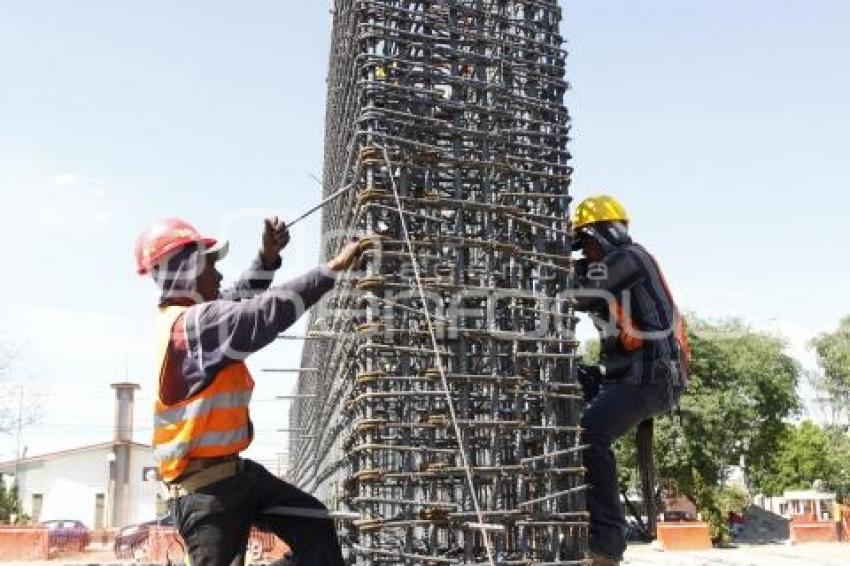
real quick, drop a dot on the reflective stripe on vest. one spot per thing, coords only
(178, 450)
(213, 423)
(202, 406)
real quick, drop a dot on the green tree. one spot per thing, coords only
(833, 354)
(803, 457)
(743, 386)
(839, 457)
(10, 504)
(732, 499)
(809, 453)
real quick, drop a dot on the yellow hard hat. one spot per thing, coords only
(599, 208)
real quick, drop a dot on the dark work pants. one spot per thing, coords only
(215, 522)
(613, 412)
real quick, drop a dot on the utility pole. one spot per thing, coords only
(19, 433)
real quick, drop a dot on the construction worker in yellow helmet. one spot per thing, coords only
(644, 355)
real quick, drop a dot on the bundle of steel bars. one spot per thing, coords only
(437, 409)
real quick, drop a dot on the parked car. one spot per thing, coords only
(131, 540)
(67, 535)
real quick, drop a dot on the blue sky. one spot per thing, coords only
(722, 125)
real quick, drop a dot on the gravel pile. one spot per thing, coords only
(763, 527)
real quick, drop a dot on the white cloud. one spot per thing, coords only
(65, 179)
(70, 201)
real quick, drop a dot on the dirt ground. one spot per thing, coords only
(814, 554)
(782, 554)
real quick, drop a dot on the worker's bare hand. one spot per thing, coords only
(275, 238)
(346, 258)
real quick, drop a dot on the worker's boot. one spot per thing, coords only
(602, 560)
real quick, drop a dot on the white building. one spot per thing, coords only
(811, 502)
(102, 485)
(81, 484)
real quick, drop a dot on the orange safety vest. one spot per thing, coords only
(213, 423)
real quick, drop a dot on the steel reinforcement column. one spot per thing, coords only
(437, 405)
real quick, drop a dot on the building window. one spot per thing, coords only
(37, 502)
(99, 510)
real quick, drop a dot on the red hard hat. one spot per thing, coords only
(167, 236)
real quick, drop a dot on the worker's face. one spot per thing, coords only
(209, 280)
(590, 247)
(592, 250)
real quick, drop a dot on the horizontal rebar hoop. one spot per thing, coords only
(447, 118)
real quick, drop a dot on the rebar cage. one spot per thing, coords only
(437, 405)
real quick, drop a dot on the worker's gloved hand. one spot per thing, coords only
(275, 238)
(580, 267)
(347, 257)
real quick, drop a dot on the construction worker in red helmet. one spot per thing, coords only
(644, 355)
(202, 420)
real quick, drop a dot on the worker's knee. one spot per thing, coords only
(313, 503)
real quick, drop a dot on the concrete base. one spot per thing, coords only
(813, 531)
(691, 535)
(23, 543)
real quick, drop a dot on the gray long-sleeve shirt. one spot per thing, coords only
(211, 335)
